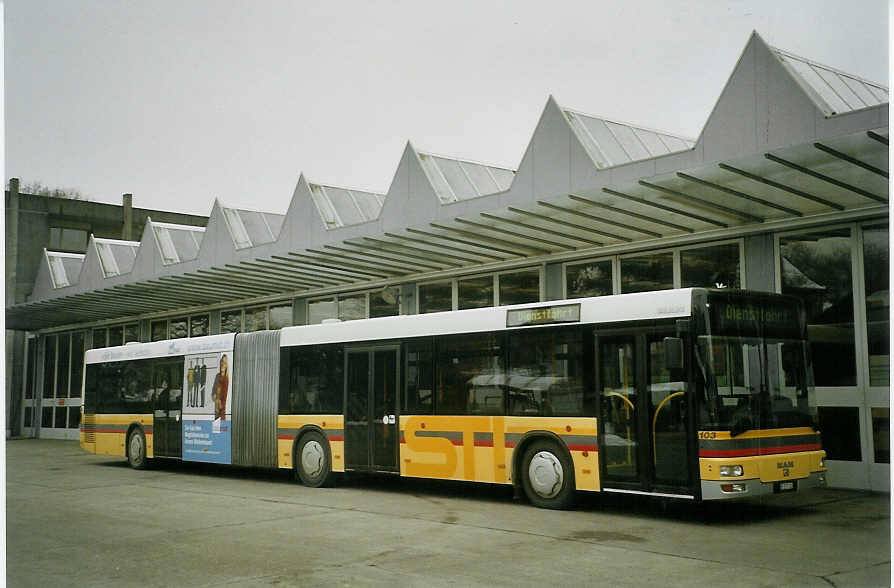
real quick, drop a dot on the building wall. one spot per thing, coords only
(33, 223)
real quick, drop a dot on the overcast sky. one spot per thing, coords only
(183, 101)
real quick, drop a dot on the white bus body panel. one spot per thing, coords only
(603, 310)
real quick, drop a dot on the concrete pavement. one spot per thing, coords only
(78, 519)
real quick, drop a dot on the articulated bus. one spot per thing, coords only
(691, 394)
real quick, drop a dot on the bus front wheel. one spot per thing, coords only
(136, 449)
(313, 462)
(548, 475)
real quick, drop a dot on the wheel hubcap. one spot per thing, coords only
(312, 458)
(546, 475)
(136, 447)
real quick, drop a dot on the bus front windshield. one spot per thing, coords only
(751, 379)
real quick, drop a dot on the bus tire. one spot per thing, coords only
(548, 475)
(313, 460)
(136, 449)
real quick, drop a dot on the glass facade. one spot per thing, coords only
(281, 316)
(437, 297)
(876, 266)
(385, 302)
(654, 271)
(475, 292)
(840, 428)
(231, 321)
(816, 267)
(256, 319)
(717, 266)
(320, 310)
(199, 325)
(519, 287)
(179, 328)
(592, 278)
(132, 333)
(158, 331)
(116, 336)
(351, 308)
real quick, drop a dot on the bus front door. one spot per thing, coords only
(371, 431)
(645, 426)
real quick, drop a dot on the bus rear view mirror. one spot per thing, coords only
(673, 353)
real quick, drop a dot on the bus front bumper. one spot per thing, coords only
(732, 489)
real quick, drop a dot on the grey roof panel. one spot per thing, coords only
(834, 91)
(116, 257)
(177, 243)
(458, 179)
(65, 268)
(611, 143)
(340, 207)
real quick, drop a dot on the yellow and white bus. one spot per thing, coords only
(691, 394)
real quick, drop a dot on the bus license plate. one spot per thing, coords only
(785, 487)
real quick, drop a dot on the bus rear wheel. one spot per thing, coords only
(313, 461)
(548, 475)
(136, 449)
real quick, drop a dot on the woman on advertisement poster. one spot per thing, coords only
(220, 389)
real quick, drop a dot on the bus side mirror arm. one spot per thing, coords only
(673, 353)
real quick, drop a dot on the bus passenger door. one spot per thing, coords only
(644, 417)
(371, 430)
(167, 383)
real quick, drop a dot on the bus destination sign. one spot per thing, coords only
(755, 317)
(544, 315)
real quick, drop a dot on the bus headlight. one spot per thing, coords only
(733, 471)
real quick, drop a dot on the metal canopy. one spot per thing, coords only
(843, 174)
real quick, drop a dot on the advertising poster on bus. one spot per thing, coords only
(206, 408)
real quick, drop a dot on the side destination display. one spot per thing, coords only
(543, 315)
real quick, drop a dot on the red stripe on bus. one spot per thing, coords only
(583, 448)
(119, 431)
(758, 451)
(484, 443)
(334, 438)
(286, 437)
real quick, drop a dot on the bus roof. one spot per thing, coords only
(603, 309)
(168, 348)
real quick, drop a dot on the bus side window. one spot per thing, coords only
(547, 375)
(418, 395)
(471, 376)
(314, 380)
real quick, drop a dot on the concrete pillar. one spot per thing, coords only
(760, 262)
(14, 340)
(408, 298)
(127, 217)
(214, 322)
(12, 241)
(552, 277)
(299, 311)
